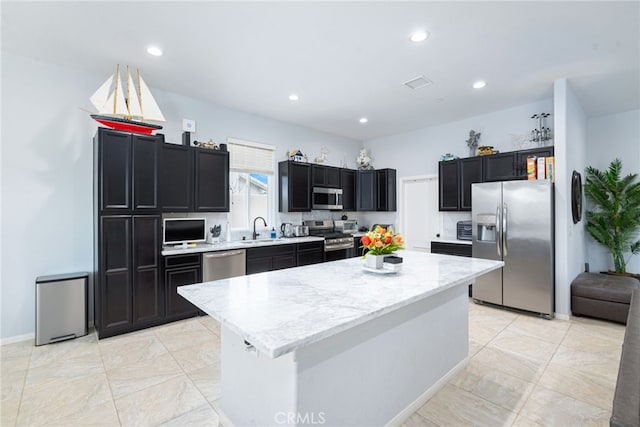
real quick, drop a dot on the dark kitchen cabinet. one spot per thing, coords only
(176, 178)
(356, 251)
(181, 270)
(511, 166)
(211, 180)
(127, 171)
(367, 189)
(448, 186)
(325, 176)
(458, 249)
(386, 190)
(470, 170)
(348, 185)
(309, 253)
(270, 258)
(128, 292)
(294, 186)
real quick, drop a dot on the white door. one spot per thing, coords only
(420, 215)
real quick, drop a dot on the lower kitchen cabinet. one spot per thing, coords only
(181, 270)
(270, 258)
(309, 253)
(128, 291)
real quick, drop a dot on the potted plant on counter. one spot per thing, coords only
(615, 220)
(378, 243)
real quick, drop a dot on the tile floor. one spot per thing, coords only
(523, 371)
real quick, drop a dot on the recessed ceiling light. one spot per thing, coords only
(363, 120)
(419, 36)
(293, 97)
(479, 84)
(154, 50)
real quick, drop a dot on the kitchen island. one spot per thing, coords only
(332, 344)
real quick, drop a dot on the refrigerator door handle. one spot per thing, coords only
(498, 234)
(504, 229)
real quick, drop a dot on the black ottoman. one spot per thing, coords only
(602, 295)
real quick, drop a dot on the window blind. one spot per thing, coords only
(249, 156)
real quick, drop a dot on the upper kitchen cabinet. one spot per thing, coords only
(470, 170)
(448, 183)
(367, 189)
(325, 176)
(211, 180)
(176, 178)
(512, 165)
(127, 171)
(294, 186)
(386, 190)
(348, 185)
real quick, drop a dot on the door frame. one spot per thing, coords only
(403, 181)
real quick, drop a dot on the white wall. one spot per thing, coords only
(47, 171)
(570, 124)
(609, 137)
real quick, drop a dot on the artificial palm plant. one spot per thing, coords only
(615, 221)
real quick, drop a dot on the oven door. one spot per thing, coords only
(336, 255)
(327, 198)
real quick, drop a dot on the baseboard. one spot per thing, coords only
(17, 338)
(428, 394)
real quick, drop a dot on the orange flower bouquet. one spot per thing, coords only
(381, 241)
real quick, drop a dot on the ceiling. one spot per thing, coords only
(347, 60)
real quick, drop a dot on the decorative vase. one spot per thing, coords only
(373, 261)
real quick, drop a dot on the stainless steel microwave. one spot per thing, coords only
(327, 198)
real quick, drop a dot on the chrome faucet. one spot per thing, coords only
(255, 235)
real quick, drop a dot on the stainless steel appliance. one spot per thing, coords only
(300, 230)
(349, 226)
(513, 221)
(327, 198)
(336, 243)
(463, 230)
(287, 229)
(223, 264)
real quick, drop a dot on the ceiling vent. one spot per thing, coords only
(418, 82)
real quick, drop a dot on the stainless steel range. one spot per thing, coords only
(336, 244)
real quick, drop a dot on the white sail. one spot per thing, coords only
(120, 105)
(100, 96)
(132, 97)
(150, 110)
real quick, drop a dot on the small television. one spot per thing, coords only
(180, 231)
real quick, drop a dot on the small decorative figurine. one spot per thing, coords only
(472, 142)
(364, 161)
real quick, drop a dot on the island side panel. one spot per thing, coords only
(387, 368)
(256, 389)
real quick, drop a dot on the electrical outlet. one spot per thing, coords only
(188, 125)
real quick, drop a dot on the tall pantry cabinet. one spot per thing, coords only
(128, 288)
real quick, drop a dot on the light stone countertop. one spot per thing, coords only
(281, 311)
(240, 244)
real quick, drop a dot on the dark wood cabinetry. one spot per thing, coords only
(294, 187)
(211, 180)
(470, 171)
(449, 183)
(127, 169)
(181, 270)
(458, 249)
(456, 176)
(386, 190)
(309, 253)
(270, 258)
(325, 176)
(367, 189)
(128, 292)
(176, 178)
(348, 185)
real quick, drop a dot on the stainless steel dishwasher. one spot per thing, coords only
(223, 264)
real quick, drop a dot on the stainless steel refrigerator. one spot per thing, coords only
(513, 221)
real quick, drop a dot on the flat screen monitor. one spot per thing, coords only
(177, 231)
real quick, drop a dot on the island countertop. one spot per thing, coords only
(281, 311)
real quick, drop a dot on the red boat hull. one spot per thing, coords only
(126, 125)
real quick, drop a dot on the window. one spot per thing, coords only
(251, 175)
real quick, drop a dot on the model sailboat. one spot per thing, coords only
(125, 108)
